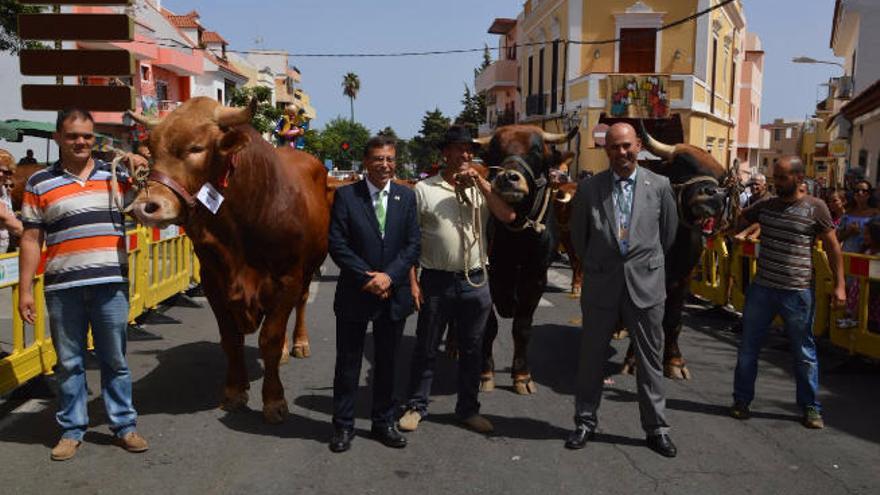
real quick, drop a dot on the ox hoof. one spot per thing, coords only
(487, 383)
(275, 412)
(235, 401)
(301, 351)
(628, 369)
(285, 356)
(677, 372)
(574, 294)
(524, 386)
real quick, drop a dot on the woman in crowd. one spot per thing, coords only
(859, 213)
(836, 201)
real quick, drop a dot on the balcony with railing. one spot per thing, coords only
(501, 73)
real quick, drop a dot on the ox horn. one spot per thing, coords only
(233, 116)
(483, 141)
(143, 120)
(554, 138)
(663, 150)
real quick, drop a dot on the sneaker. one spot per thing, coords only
(65, 449)
(409, 421)
(740, 410)
(813, 418)
(133, 442)
(478, 423)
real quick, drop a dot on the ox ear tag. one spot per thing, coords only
(210, 197)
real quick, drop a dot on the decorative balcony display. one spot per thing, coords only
(638, 96)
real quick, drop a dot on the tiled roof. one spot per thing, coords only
(213, 37)
(185, 21)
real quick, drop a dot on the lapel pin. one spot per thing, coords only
(396, 198)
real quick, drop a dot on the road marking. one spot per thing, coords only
(543, 303)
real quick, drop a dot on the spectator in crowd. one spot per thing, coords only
(28, 159)
(836, 201)
(6, 222)
(859, 213)
(758, 186)
(872, 248)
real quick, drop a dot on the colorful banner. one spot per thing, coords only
(638, 96)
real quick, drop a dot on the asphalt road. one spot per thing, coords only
(178, 370)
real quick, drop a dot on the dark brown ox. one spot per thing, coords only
(520, 253)
(705, 198)
(258, 253)
(562, 209)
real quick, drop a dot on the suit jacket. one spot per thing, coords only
(652, 231)
(357, 246)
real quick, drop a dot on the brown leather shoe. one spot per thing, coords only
(478, 423)
(65, 449)
(133, 442)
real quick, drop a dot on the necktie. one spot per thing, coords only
(379, 206)
(624, 210)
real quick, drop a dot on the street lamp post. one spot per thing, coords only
(810, 60)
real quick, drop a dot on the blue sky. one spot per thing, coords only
(398, 91)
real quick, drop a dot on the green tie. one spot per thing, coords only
(379, 206)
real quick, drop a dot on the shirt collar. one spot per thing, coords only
(632, 177)
(375, 190)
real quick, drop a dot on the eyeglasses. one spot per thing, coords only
(862, 191)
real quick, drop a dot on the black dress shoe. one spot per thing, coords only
(341, 440)
(579, 437)
(389, 436)
(662, 444)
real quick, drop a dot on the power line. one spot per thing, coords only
(426, 53)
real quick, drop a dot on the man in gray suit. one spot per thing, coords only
(623, 221)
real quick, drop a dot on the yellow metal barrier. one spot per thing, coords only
(858, 333)
(161, 264)
(170, 269)
(30, 357)
(743, 265)
(711, 278)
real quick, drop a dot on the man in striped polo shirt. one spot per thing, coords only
(70, 206)
(783, 285)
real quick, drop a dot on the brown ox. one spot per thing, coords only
(562, 208)
(258, 253)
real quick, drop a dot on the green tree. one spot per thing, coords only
(473, 112)
(9, 40)
(487, 61)
(425, 146)
(338, 131)
(351, 85)
(267, 115)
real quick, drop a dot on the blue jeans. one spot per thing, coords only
(71, 311)
(796, 308)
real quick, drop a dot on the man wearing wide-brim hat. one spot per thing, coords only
(453, 285)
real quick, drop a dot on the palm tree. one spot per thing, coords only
(351, 84)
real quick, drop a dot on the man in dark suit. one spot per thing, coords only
(623, 221)
(374, 239)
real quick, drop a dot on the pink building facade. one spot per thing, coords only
(748, 126)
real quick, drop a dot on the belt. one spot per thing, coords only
(461, 274)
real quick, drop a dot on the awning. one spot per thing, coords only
(9, 133)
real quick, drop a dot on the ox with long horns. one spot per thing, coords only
(520, 252)
(259, 247)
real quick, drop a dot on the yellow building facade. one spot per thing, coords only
(681, 80)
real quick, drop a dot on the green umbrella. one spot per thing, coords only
(9, 133)
(32, 128)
